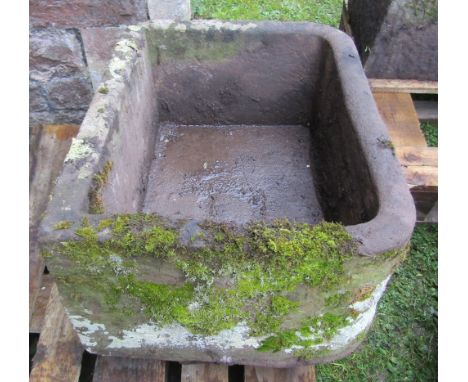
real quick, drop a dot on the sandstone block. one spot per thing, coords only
(86, 13)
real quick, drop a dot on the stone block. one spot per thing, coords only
(86, 13)
(99, 44)
(396, 39)
(37, 97)
(56, 117)
(169, 9)
(69, 93)
(60, 87)
(55, 52)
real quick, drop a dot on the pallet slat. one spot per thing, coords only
(118, 369)
(266, 374)
(417, 156)
(36, 270)
(421, 177)
(398, 113)
(379, 85)
(204, 372)
(40, 305)
(427, 110)
(49, 145)
(53, 146)
(424, 200)
(59, 352)
(432, 216)
(345, 25)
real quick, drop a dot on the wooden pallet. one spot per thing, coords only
(419, 162)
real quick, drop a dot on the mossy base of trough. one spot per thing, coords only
(272, 294)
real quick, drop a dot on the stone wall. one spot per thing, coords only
(60, 86)
(86, 13)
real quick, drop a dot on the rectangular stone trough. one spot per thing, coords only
(232, 196)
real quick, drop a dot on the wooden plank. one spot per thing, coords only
(40, 305)
(294, 374)
(424, 200)
(421, 177)
(417, 156)
(53, 146)
(345, 25)
(48, 148)
(34, 138)
(36, 269)
(398, 112)
(118, 369)
(59, 352)
(432, 216)
(379, 85)
(204, 372)
(427, 110)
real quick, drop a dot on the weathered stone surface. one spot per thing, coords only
(69, 93)
(56, 116)
(37, 97)
(99, 44)
(55, 52)
(169, 9)
(396, 38)
(60, 88)
(86, 13)
(212, 73)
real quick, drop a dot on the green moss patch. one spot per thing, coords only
(173, 44)
(313, 331)
(96, 205)
(103, 89)
(64, 224)
(230, 276)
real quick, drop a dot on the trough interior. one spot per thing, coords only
(232, 125)
(233, 173)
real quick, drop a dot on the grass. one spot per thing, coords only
(319, 11)
(402, 344)
(430, 133)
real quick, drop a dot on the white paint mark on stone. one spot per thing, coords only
(86, 329)
(180, 27)
(176, 336)
(347, 334)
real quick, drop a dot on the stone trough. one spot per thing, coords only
(232, 196)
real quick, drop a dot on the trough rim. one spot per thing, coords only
(389, 229)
